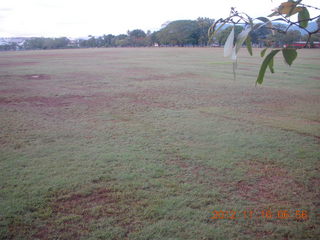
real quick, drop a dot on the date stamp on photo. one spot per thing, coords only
(267, 214)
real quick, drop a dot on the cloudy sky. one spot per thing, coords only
(78, 18)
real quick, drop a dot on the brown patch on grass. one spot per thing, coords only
(194, 169)
(266, 183)
(57, 54)
(151, 77)
(202, 174)
(17, 64)
(72, 214)
(315, 78)
(35, 76)
(184, 75)
(146, 74)
(11, 91)
(86, 77)
(62, 106)
(39, 101)
(148, 97)
(313, 187)
(18, 230)
(78, 203)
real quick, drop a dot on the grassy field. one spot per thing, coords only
(158, 144)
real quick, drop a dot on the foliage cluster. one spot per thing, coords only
(176, 33)
(283, 13)
(46, 43)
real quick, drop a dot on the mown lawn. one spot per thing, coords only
(158, 144)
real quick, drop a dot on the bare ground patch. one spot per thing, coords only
(147, 74)
(151, 77)
(74, 213)
(11, 91)
(198, 173)
(17, 64)
(41, 101)
(35, 76)
(267, 183)
(262, 184)
(59, 54)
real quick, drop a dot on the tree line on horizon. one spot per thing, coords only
(179, 33)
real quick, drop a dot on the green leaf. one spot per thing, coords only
(293, 11)
(249, 45)
(289, 55)
(265, 64)
(270, 65)
(303, 18)
(263, 52)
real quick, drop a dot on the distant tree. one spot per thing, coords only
(99, 42)
(314, 38)
(9, 47)
(46, 43)
(260, 35)
(204, 25)
(179, 33)
(90, 43)
(61, 42)
(292, 36)
(121, 40)
(149, 39)
(137, 33)
(36, 43)
(137, 38)
(154, 38)
(108, 40)
(223, 35)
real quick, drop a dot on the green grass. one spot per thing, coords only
(147, 143)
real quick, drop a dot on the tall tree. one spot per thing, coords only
(121, 40)
(137, 38)
(204, 25)
(179, 33)
(108, 40)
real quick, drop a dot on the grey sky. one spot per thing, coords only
(77, 18)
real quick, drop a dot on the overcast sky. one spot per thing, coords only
(78, 18)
